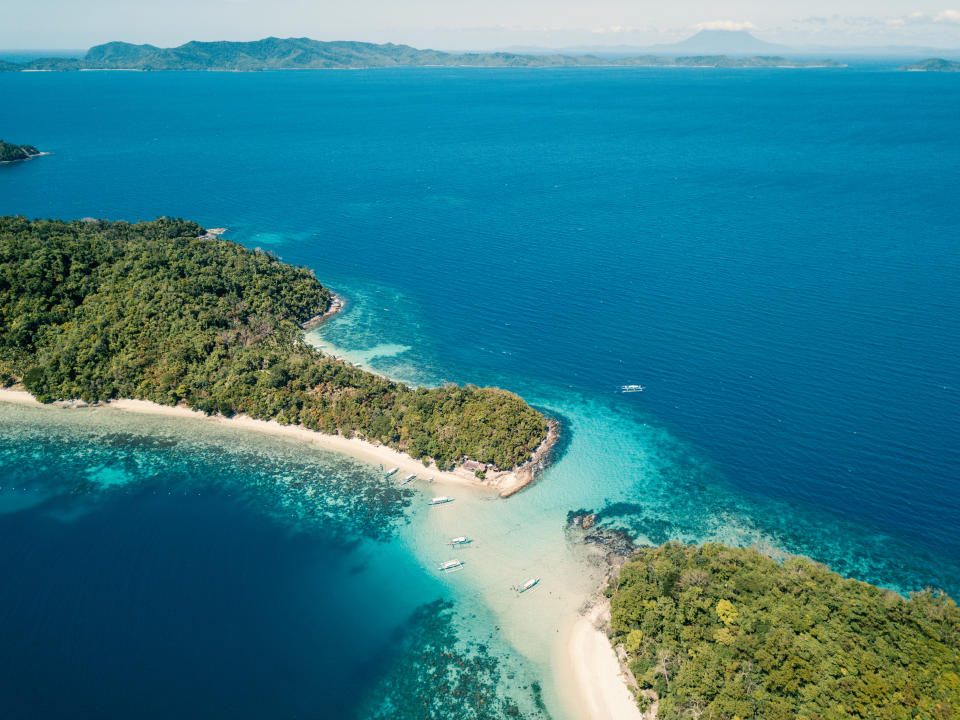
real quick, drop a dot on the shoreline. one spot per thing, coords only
(24, 159)
(584, 660)
(599, 682)
(337, 304)
(506, 483)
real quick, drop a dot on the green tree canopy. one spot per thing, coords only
(157, 311)
(727, 633)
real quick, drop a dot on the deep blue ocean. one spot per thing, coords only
(773, 254)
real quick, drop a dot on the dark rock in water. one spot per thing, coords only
(575, 517)
(616, 542)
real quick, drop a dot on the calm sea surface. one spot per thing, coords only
(773, 254)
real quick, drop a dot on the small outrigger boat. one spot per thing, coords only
(527, 585)
(407, 479)
(440, 500)
(393, 471)
(632, 388)
(462, 540)
(450, 566)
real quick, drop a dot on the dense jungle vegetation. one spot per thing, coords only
(724, 633)
(155, 311)
(10, 152)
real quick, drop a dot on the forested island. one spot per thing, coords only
(11, 153)
(162, 311)
(933, 65)
(728, 633)
(303, 53)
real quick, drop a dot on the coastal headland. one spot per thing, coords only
(217, 330)
(10, 152)
(505, 483)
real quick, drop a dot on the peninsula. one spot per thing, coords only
(165, 312)
(304, 54)
(13, 153)
(723, 632)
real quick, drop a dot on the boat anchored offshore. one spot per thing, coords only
(392, 471)
(407, 479)
(462, 540)
(440, 500)
(450, 566)
(528, 585)
(632, 388)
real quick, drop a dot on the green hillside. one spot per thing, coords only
(156, 311)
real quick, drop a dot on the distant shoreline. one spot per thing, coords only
(303, 53)
(598, 66)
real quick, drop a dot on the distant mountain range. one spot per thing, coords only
(737, 43)
(303, 53)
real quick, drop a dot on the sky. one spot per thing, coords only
(477, 24)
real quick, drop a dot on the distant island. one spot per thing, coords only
(12, 153)
(165, 312)
(303, 54)
(933, 65)
(723, 632)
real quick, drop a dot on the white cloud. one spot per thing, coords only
(948, 16)
(914, 19)
(726, 25)
(616, 29)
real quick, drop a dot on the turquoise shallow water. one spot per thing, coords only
(239, 574)
(773, 254)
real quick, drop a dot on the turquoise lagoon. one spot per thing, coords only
(772, 254)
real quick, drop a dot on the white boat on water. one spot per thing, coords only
(631, 388)
(440, 500)
(392, 471)
(408, 478)
(462, 540)
(528, 584)
(450, 566)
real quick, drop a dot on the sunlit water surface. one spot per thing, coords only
(772, 254)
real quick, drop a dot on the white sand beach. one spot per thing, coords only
(598, 682)
(504, 483)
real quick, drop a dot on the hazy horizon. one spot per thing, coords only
(492, 25)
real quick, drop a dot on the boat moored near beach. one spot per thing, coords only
(408, 478)
(392, 471)
(441, 500)
(462, 540)
(450, 566)
(532, 582)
